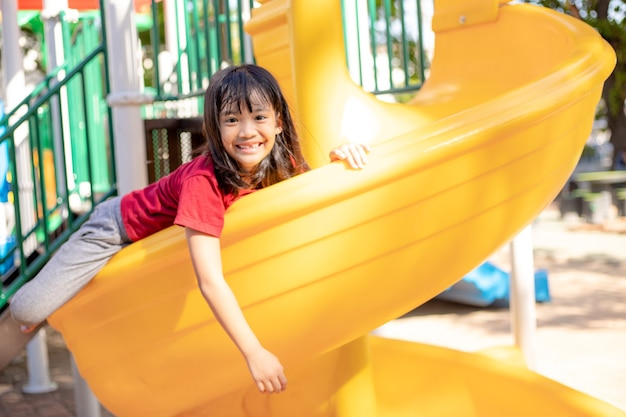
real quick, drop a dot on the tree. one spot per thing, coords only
(608, 17)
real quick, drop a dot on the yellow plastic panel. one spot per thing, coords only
(452, 14)
(318, 261)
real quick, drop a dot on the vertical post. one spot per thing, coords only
(126, 97)
(522, 295)
(55, 57)
(15, 87)
(170, 24)
(246, 49)
(356, 33)
(167, 59)
(11, 54)
(87, 404)
(183, 55)
(39, 380)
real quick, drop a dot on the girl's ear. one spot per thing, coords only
(279, 124)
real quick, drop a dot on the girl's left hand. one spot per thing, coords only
(353, 153)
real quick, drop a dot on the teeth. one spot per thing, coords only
(256, 145)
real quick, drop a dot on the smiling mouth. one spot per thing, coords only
(249, 146)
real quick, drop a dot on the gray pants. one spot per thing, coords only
(73, 265)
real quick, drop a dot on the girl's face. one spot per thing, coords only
(249, 136)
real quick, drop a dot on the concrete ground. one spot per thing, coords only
(580, 337)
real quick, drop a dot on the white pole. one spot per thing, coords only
(39, 380)
(126, 96)
(55, 56)
(350, 10)
(87, 404)
(170, 23)
(248, 53)
(522, 295)
(12, 58)
(183, 63)
(15, 88)
(359, 56)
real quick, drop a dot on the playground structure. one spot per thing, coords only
(488, 284)
(511, 103)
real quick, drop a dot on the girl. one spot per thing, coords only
(251, 144)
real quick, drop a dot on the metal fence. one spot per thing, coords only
(383, 39)
(56, 152)
(385, 45)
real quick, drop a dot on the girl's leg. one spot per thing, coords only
(72, 266)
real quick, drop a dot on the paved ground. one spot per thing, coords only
(580, 339)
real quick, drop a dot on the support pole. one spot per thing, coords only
(55, 57)
(39, 381)
(522, 295)
(15, 88)
(12, 58)
(87, 404)
(126, 97)
(247, 52)
(359, 57)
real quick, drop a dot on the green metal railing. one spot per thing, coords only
(59, 143)
(385, 46)
(210, 36)
(59, 151)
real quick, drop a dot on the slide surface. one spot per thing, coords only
(320, 260)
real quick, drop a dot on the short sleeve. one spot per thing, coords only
(201, 206)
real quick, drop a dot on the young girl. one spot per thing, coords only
(251, 144)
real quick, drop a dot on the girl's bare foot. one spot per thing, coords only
(28, 329)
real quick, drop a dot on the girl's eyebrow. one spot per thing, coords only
(229, 110)
(260, 106)
(257, 106)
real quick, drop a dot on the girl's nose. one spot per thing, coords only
(246, 129)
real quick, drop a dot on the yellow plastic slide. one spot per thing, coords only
(320, 260)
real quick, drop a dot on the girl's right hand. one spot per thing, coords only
(353, 153)
(266, 371)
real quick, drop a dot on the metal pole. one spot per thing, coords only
(247, 52)
(55, 56)
(522, 295)
(11, 54)
(87, 404)
(15, 88)
(39, 380)
(126, 97)
(170, 24)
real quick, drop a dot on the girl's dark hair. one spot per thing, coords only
(241, 84)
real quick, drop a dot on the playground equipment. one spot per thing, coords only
(320, 260)
(488, 284)
(75, 35)
(473, 128)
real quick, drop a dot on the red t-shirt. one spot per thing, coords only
(188, 197)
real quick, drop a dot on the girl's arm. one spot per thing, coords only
(265, 368)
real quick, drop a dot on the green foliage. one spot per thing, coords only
(589, 152)
(608, 17)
